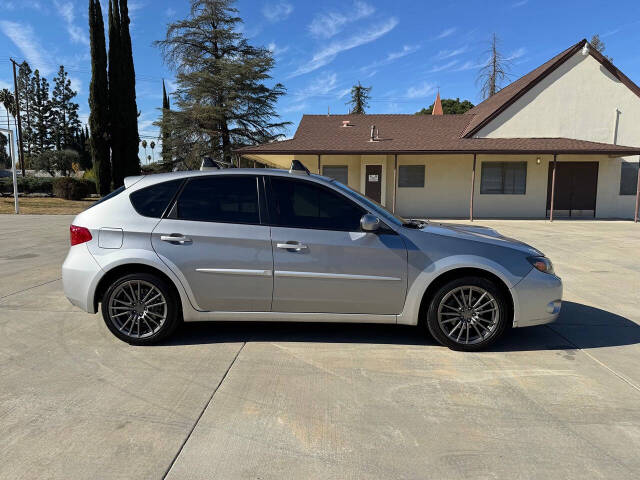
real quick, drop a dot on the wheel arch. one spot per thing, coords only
(460, 272)
(127, 269)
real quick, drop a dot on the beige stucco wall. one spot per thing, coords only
(582, 100)
(447, 187)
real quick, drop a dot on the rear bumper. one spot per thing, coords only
(537, 299)
(80, 275)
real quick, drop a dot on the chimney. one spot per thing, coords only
(437, 106)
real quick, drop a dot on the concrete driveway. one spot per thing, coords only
(304, 401)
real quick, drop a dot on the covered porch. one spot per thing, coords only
(478, 185)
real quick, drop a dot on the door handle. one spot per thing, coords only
(175, 238)
(295, 246)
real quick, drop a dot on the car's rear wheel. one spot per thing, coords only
(140, 308)
(468, 314)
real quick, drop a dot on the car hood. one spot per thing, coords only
(479, 234)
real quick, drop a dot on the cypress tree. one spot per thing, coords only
(164, 127)
(116, 125)
(99, 100)
(130, 138)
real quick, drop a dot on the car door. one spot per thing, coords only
(214, 241)
(323, 262)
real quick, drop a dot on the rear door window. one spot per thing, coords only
(220, 198)
(152, 201)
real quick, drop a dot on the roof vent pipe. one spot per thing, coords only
(585, 49)
(373, 133)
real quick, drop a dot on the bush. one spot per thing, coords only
(72, 188)
(27, 185)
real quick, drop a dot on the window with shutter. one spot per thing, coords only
(504, 178)
(411, 176)
(628, 178)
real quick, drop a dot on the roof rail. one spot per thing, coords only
(297, 167)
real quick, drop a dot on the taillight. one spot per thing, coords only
(79, 235)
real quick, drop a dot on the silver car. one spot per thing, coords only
(277, 245)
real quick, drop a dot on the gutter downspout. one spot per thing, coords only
(553, 186)
(319, 164)
(473, 188)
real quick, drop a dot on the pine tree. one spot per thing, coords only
(116, 126)
(43, 116)
(99, 100)
(65, 110)
(359, 99)
(26, 89)
(222, 100)
(493, 74)
(165, 131)
(130, 138)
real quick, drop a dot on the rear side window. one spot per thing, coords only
(301, 204)
(153, 201)
(223, 199)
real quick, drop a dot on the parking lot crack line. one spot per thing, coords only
(215, 390)
(622, 377)
(30, 288)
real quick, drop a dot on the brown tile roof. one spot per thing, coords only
(324, 134)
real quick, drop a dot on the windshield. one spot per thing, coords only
(373, 206)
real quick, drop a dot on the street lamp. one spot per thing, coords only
(12, 150)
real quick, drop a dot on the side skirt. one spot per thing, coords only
(195, 316)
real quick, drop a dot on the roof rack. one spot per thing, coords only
(298, 168)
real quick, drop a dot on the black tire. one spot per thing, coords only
(150, 333)
(488, 332)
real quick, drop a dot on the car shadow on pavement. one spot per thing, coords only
(579, 326)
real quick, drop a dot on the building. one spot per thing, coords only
(560, 141)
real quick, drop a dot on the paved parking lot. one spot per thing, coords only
(304, 401)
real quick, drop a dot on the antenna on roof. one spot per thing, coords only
(328, 110)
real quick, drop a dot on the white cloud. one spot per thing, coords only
(76, 84)
(520, 3)
(406, 50)
(517, 54)
(446, 33)
(23, 36)
(446, 66)
(471, 65)
(170, 12)
(323, 84)
(276, 12)
(421, 91)
(444, 54)
(7, 85)
(329, 53)
(77, 34)
(275, 49)
(295, 107)
(329, 24)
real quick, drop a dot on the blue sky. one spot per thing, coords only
(404, 49)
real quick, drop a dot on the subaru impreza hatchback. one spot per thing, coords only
(277, 245)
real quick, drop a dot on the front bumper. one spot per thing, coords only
(537, 299)
(80, 275)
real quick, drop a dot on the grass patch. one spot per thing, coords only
(45, 206)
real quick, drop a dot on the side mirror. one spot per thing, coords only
(369, 223)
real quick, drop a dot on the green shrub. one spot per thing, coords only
(72, 188)
(27, 185)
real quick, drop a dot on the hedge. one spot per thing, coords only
(27, 185)
(72, 188)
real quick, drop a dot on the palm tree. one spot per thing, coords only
(144, 145)
(7, 100)
(153, 145)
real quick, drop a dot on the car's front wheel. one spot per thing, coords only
(140, 308)
(468, 314)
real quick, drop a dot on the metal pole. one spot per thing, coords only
(635, 218)
(17, 99)
(395, 181)
(553, 186)
(473, 188)
(12, 153)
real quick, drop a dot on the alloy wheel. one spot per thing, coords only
(468, 314)
(137, 308)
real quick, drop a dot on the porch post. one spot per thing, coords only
(319, 173)
(473, 188)
(395, 182)
(553, 186)
(635, 218)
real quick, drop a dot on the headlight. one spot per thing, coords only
(541, 263)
